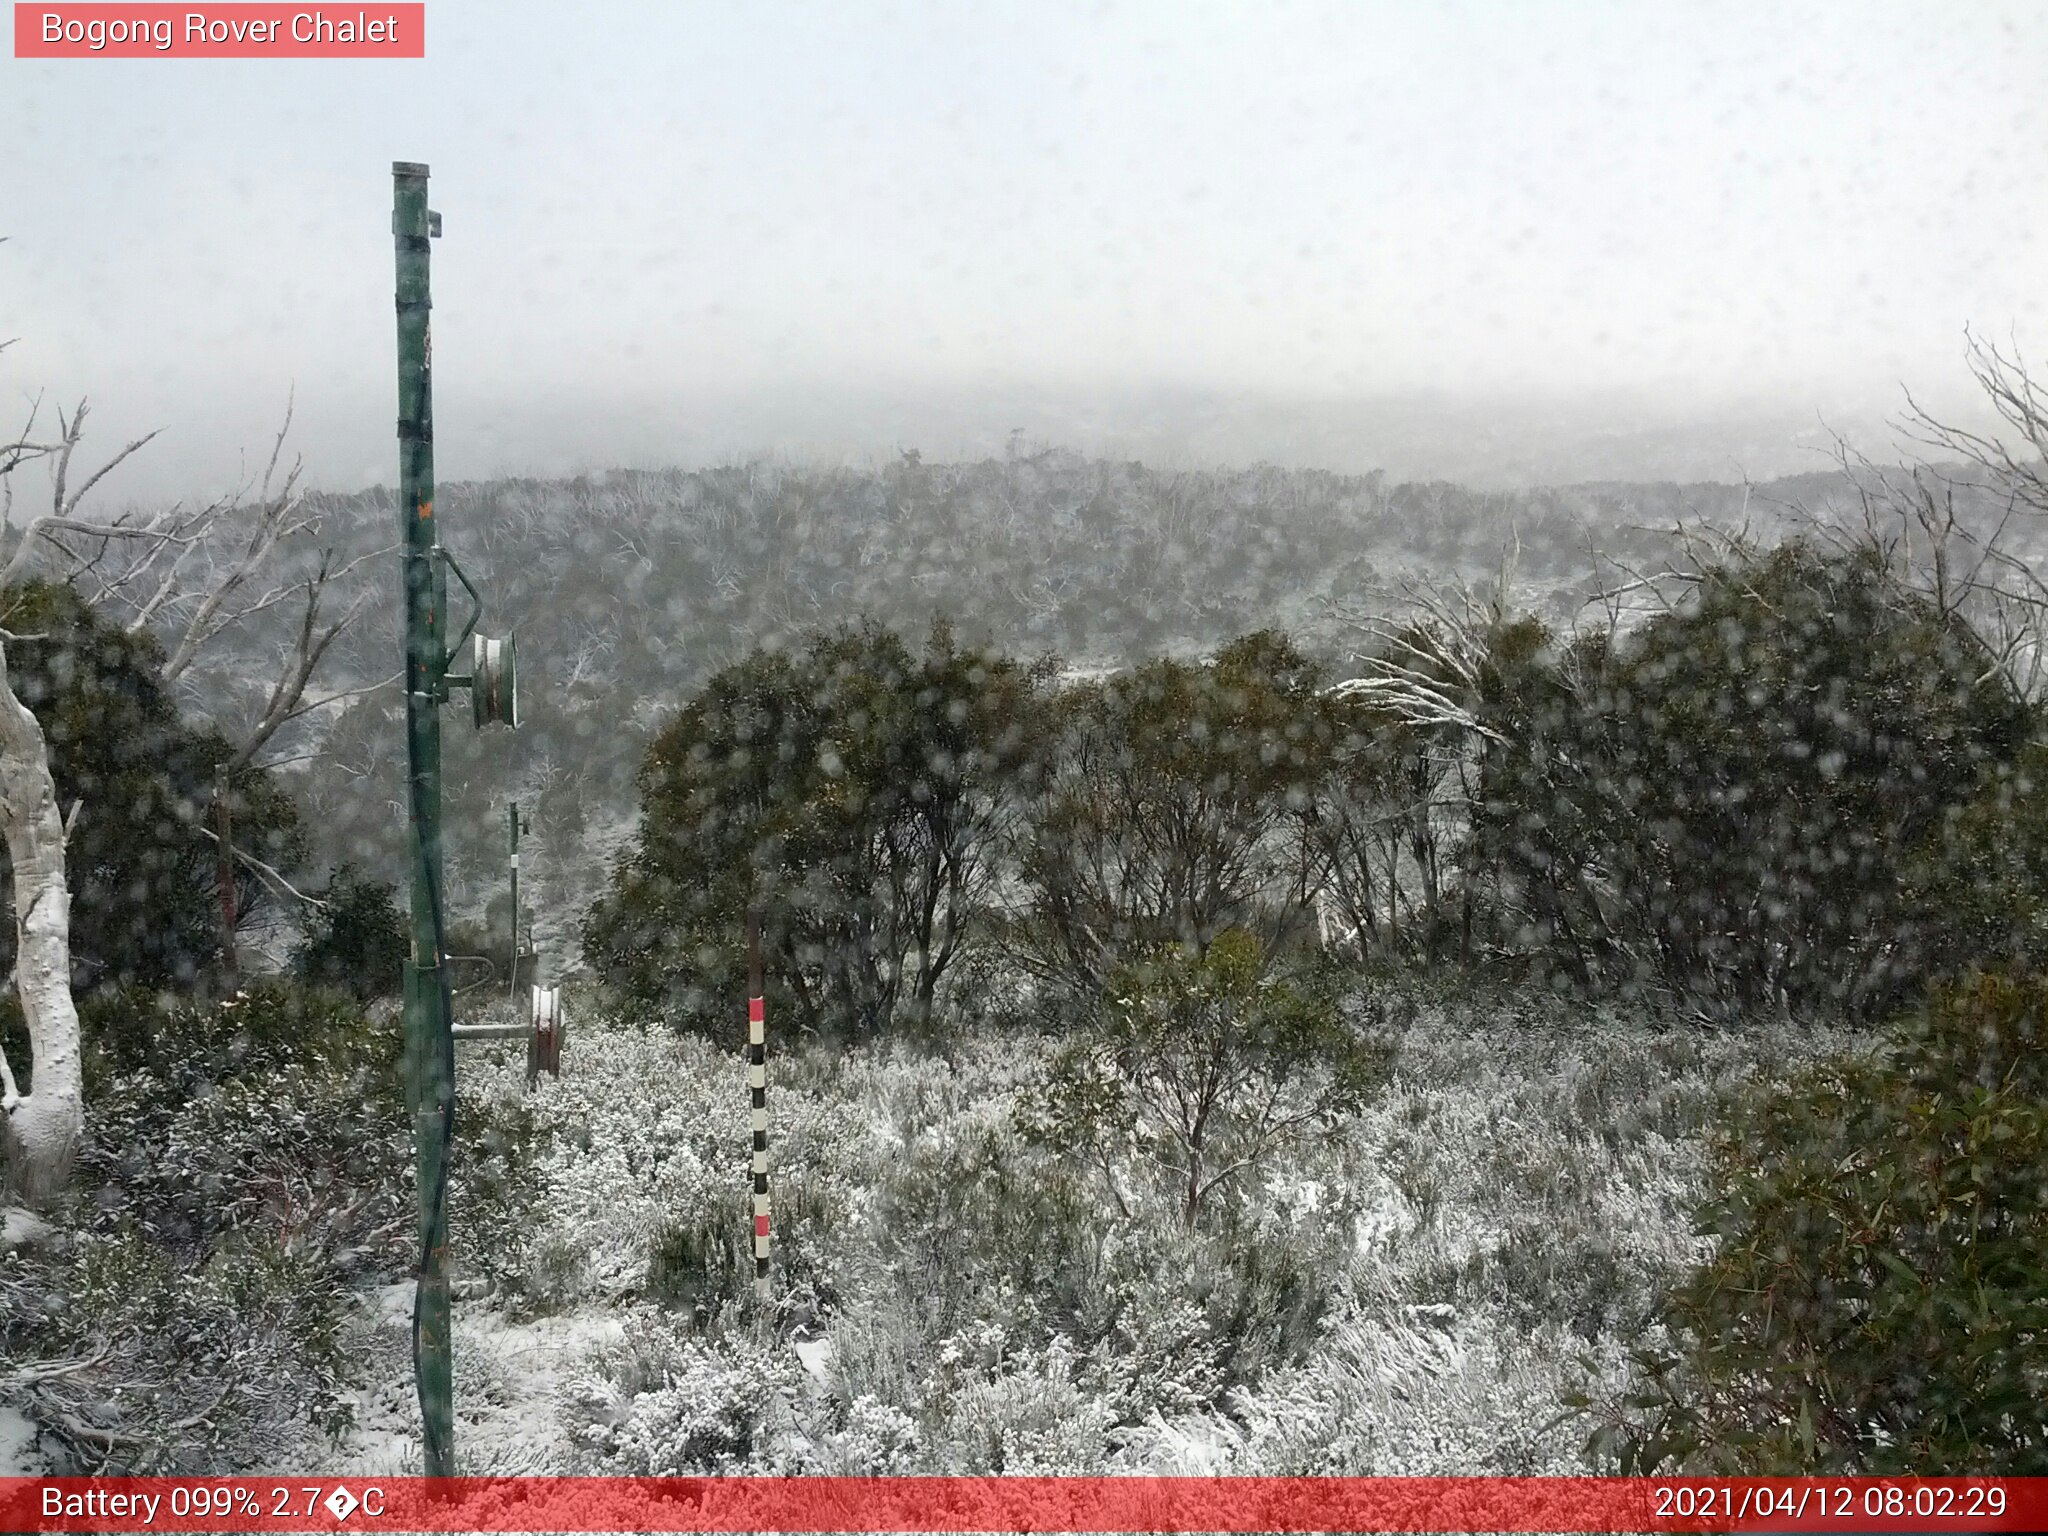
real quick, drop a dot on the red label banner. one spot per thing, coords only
(262, 31)
(1119, 1504)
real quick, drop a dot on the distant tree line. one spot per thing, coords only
(630, 589)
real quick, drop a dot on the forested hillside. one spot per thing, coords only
(627, 590)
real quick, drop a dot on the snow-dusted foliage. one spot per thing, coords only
(1416, 1294)
(250, 1171)
(665, 1404)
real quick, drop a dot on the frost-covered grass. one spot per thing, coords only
(1412, 1296)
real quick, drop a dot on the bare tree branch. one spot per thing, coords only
(267, 874)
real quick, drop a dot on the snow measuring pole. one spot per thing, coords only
(493, 685)
(757, 1093)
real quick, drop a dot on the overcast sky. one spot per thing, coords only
(681, 230)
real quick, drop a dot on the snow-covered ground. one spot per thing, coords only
(512, 1377)
(1497, 1216)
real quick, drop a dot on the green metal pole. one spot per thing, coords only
(429, 1043)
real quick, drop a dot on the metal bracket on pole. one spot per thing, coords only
(542, 1033)
(476, 602)
(493, 677)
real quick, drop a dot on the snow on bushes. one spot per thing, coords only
(250, 1169)
(1413, 1294)
(641, 1164)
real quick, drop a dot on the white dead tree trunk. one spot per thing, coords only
(43, 1125)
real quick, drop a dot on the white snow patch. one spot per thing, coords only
(21, 1229)
(19, 1455)
(815, 1354)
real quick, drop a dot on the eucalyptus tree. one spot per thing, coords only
(854, 793)
(1169, 807)
(45, 1120)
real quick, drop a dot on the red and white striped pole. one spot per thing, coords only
(757, 1082)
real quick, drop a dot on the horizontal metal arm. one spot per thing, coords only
(490, 1031)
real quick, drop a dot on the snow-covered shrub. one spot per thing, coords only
(1198, 1072)
(301, 1151)
(1161, 1359)
(990, 1398)
(980, 1303)
(554, 1274)
(823, 1153)
(999, 1253)
(274, 1107)
(1424, 1392)
(643, 1165)
(646, 1129)
(1028, 1414)
(701, 1258)
(671, 1403)
(702, 1421)
(877, 1440)
(221, 1364)
(973, 1220)
(1580, 1279)
(249, 1164)
(495, 1190)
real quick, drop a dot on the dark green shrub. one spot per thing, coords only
(1724, 804)
(1980, 882)
(1165, 806)
(361, 945)
(1879, 1303)
(697, 1263)
(852, 792)
(267, 1025)
(276, 1110)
